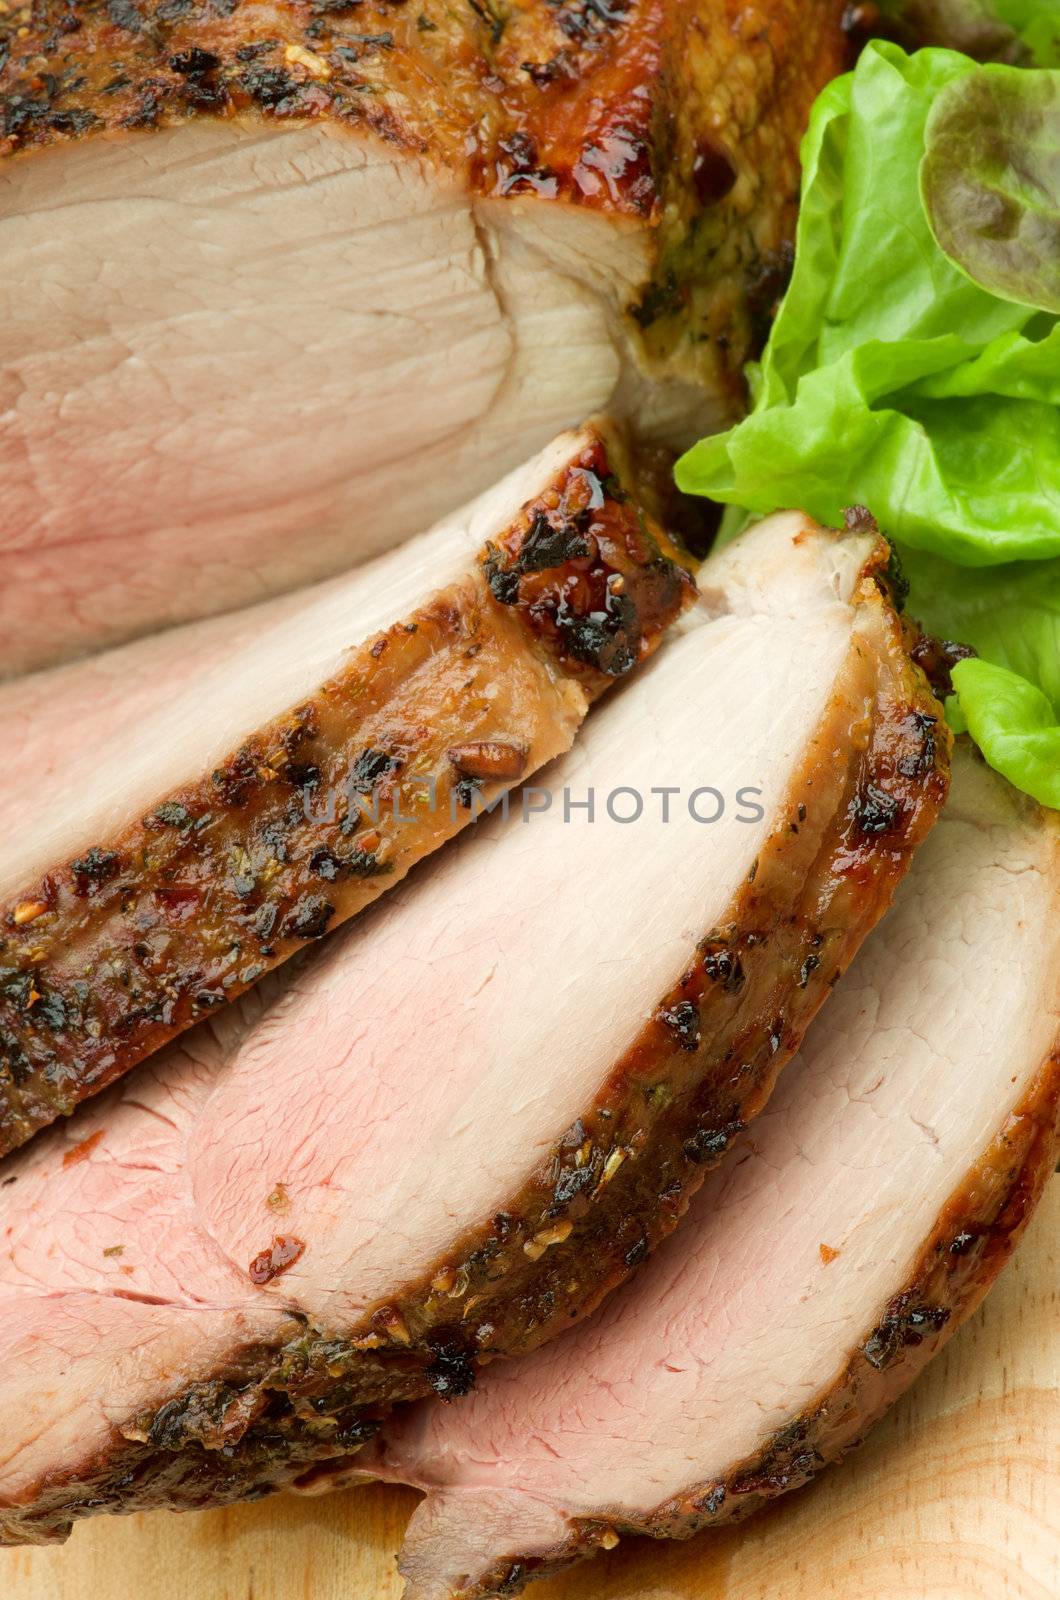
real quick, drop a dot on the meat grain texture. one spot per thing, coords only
(151, 886)
(850, 1232)
(453, 1132)
(281, 283)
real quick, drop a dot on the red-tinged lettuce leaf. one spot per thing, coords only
(1022, 32)
(990, 181)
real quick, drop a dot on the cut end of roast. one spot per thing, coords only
(845, 1239)
(315, 749)
(450, 1134)
(295, 295)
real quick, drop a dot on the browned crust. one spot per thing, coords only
(561, 99)
(622, 1175)
(687, 116)
(974, 1236)
(106, 958)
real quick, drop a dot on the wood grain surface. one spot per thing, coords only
(956, 1496)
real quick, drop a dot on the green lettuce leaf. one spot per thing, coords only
(1011, 616)
(1014, 724)
(878, 324)
(1037, 23)
(895, 378)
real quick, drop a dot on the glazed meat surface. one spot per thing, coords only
(465, 1121)
(234, 790)
(848, 1234)
(281, 284)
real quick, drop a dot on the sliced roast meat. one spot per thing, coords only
(470, 1116)
(273, 773)
(282, 285)
(851, 1230)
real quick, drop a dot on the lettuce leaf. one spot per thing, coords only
(1037, 24)
(1014, 724)
(896, 378)
(1009, 614)
(1008, 699)
(990, 181)
(1023, 32)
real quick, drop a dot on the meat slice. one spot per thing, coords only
(470, 1117)
(849, 1233)
(280, 285)
(271, 775)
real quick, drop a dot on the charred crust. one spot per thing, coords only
(451, 1372)
(722, 964)
(937, 658)
(707, 1145)
(682, 1019)
(299, 828)
(895, 577)
(92, 870)
(669, 114)
(907, 1321)
(548, 546)
(308, 918)
(875, 811)
(889, 574)
(589, 573)
(320, 60)
(467, 792)
(923, 744)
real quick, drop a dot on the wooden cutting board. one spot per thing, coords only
(956, 1496)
